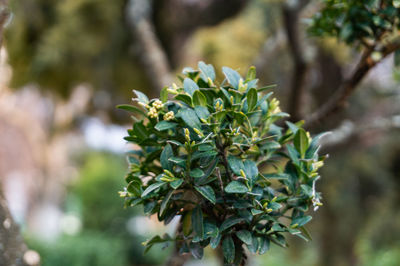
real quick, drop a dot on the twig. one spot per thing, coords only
(338, 100)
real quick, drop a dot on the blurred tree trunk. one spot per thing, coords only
(12, 246)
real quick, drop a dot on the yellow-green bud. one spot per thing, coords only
(198, 132)
(242, 173)
(187, 134)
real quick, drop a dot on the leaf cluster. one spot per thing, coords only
(357, 22)
(212, 154)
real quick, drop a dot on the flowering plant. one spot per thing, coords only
(213, 156)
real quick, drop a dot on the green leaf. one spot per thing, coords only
(251, 74)
(207, 71)
(176, 184)
(232, 76)
(279, 176)
(190, 118)
(252, 99)
(202, 112)
(199, 99)
(245, 236)
(164, 125)
(165, 155)
(190, 86)
(187, 223)
(196, 250)
(250, 169)
(164, 95)
(197, 221)
(141, 97)
(130, 108)
(214, 241)
(184, 98)
(228, 248)
(231, 221)
(151, 188)
(301, 142)
(300, 221)
(236, 187)
(140, 131)
(235, 164)
(263, 245)
(196, 173)
(207, 192)
(165, 202)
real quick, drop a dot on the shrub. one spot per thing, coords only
(213, 156)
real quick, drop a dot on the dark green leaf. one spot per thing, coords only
(236, 187)
(252, 99)
(165, 155)
(202, 112)
(235, 164)
(231, 221)
(196, 173)
(151, 188)
(164, 125)
(140, 131)
(197, 221)
(130, 108)
(228, 248)
(165, 202)
(207, 192)
(196, 250)
(245, 236)
(250, 169)
(300, 221)
(214, 241)
(190, 118)
(176, 184)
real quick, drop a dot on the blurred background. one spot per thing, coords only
(64, 67)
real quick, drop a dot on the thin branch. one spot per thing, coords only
(291, 17)
(339, 99)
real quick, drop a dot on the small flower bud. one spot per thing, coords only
(187, 134)
(198, 132)
(169, 116)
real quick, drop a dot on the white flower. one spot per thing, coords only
(153, 113)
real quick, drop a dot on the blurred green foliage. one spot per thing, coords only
(357, 21)
(60, 44)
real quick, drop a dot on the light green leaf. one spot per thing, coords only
(141, 97)
(251, 74)
(199, 99)
(232, 76)
(301, 142)
(190, 86)
(207, 71)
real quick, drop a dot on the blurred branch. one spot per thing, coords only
(150, 52)
(291, 16)
(339, 99)
(348, 130)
